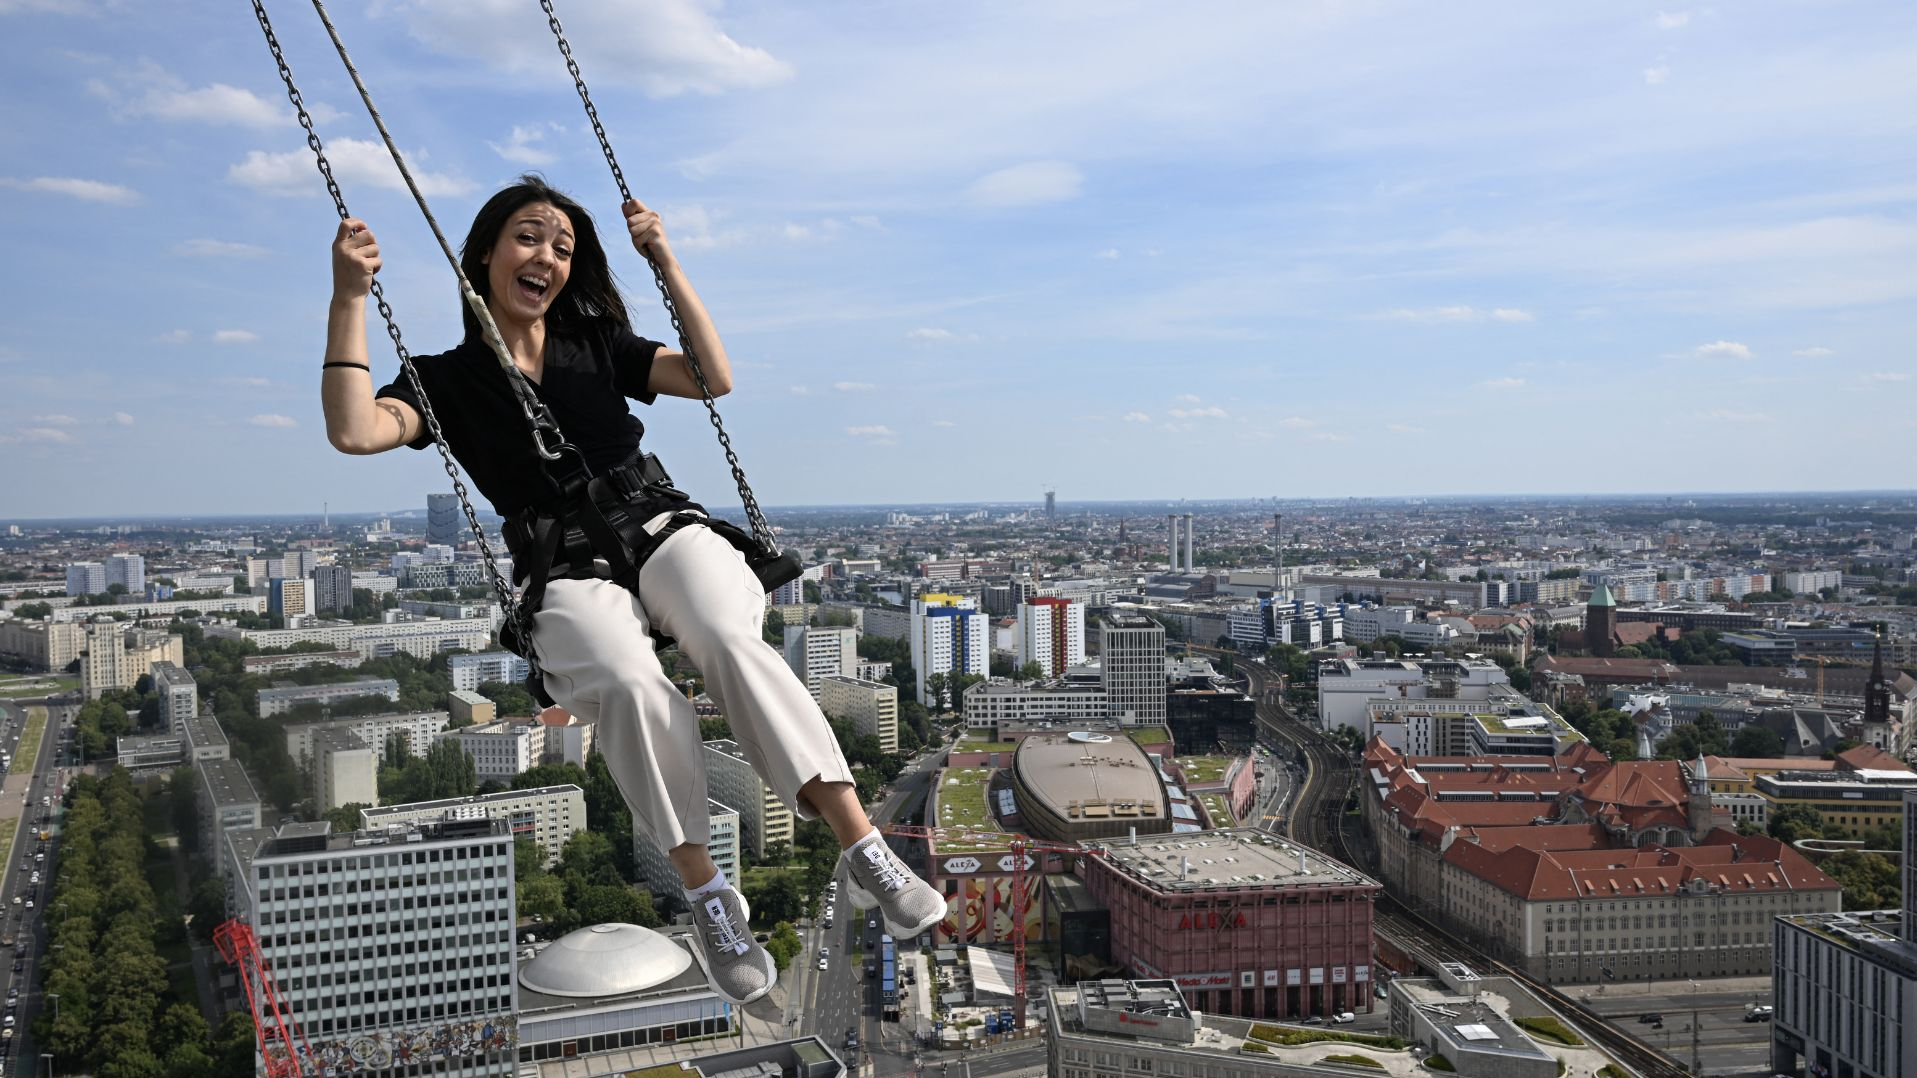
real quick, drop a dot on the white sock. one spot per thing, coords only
(716, 883)
(870, 836)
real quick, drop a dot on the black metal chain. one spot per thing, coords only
(761, 531)
(509, 606)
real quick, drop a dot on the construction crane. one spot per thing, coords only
(1018, 847)
(280, 1040)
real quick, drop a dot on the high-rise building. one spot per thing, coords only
(548, 815)
(1600, 622)
(790, 593)
(179, 695)
(86, 578)
(501, 750)
(367, 969)
(816, 651)
(950, 636)
(872, 707)
(655, 867)
(763, 818)
(344, 771)
(471, 671)
(128, 571)
(1051, 633)
(1132, 664)
(332, 588)
(445, 520)
(289, 597)
(103, 663)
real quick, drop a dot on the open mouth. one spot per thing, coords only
(533, 287)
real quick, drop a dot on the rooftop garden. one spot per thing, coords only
(1151, 737)
(1216, 808)
(979, 741)
(1292, 1037)
(961, 805)
(1199, 770)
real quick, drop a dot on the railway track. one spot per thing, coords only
(1318, 821)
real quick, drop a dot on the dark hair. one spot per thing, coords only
(590, 294)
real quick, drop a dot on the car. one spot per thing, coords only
(9, 1020)
(828, 920)
(852, 1039)
(823, 964)
(825, 952)
(1314, 1020)
(1650, 1016)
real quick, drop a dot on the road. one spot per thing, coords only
(23, 859)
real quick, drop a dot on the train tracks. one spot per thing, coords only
(1318, 820)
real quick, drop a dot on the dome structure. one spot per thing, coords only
(604, 960)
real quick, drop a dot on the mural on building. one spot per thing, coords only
(981, 911)
(423, 1045)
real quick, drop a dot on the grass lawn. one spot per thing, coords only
(30, 734)
(1151, 736)
(961, 804)
(1199, 770)
(35, 685)
(7, 828)
(1215, 808)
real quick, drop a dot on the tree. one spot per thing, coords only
(784, 944)
(778, 852)
(1793, 822)
(588, 855)
(1031, 671)
(1869, 880)
(1003, 665)
(33, 611)
(1884, 836)
(775, 897)
(541, 896)
(207, 908)
(774, 631)
(509, 699)
(1756, 741)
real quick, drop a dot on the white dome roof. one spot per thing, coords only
(604, 960)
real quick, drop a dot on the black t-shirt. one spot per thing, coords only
(586, 381)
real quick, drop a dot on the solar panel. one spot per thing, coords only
(1476, 1031)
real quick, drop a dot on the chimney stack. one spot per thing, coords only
(1190, 565)
(1171, 551)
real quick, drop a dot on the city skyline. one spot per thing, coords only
(1210, 246)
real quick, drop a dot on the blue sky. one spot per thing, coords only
(962, 252)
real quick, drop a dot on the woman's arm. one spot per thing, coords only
(671, 374)
(356, 421)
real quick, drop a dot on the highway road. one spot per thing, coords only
(28, 855)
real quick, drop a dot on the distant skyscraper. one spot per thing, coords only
(445, 520)
(1051, 505)
(86, 578)
(1051, 633)
(332, 588)
(1132, 659)
(289, 597)
(950, 636)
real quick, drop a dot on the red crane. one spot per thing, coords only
(1017, 846)
(281, 1042)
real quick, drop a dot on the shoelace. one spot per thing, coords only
(725, 931)
(890, 875)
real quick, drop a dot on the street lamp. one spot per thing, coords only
(55, 997)
(49, 1060)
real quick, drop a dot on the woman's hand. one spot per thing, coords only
(648, 234)
(355, 260)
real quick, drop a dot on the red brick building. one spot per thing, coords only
(1246, 923)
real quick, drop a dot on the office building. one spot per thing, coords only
(86, 578)
(136, 751)
(655, 867)
(1132, 665)
(1070, 701)
(1121, 1029)
(949, 636)
(204, 738)
(445, 520)
(814, 652)
(1346, 687)
(344, 770)
(420, 639)
(471, 671)
(1468, 1020)
(548, 815)
(1245, 923)
(764, 821)
(283, 698)
(289, 597)
(501, 750)
(369, 974)
(179, 694)
(1051, 633)
(1844, 994)
(871, 707)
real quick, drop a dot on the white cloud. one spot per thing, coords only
(215, 104)
(111, 194)
(1213, 412)
(1189, 398)
(1510, 314)
(1728, 349)
(930, 334)
(866, 220)
(1815, 351)
(1403, 428)
(1501, 383)
(1137, 417)
(1724, 415)
(1887, 376)
(173, 336)
(877, 431)
(693, 227)
(1459, 312)
(520, 146)
(1325, 436)
(1673, 20)
(854, 387)
(56, 420)
(799, 391)
(235, 336)
(43, 436)
(1109, 252)
(667, 47)
(943, 423)
(355, 161)
(1656, 76)
(123, 419)
(1297, 422)
(270, 420)
(1033, 183)
(205, 248)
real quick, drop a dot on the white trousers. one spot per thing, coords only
(591, 639)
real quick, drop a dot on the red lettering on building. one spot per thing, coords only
(1199, 922)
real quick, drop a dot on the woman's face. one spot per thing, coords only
(529, 262)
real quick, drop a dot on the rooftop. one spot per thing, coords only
(227, 782)
(1080, 775)
(603, 961)
(1237, 857)
(961, 804)
(450, 803)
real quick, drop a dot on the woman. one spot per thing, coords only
(536, 258)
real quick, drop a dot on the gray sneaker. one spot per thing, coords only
(736, 966)
(879, 878)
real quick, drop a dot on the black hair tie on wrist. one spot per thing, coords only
(342, 363)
